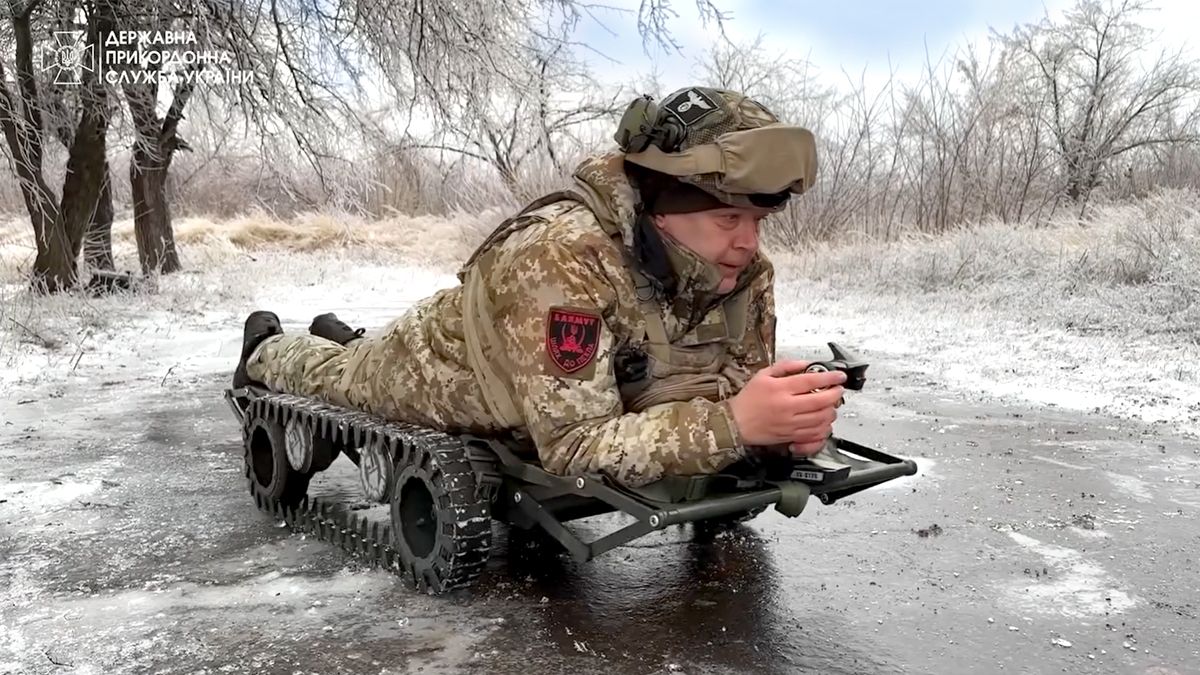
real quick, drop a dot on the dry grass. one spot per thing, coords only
(425, 240)
(1133, 269)
(429, 240)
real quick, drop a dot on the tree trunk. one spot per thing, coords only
(58, 229)
(21, 121)
(87, 176)
(1083, 177)
(54, 267)
(97, 243)
(152, 212)
(157, 141)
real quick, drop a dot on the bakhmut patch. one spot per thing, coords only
(572, 339)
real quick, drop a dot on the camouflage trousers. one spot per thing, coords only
(392, 375)
(307, 365)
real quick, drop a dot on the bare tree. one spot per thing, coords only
(1102, 103)
(60, 223)
(520, 121)
(156, 138)
(469, 64)
(785, 84)
(1005, 136)
(61, 104)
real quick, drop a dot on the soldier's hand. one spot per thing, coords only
(779, 406)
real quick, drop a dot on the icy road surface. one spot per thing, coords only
(1034, 540)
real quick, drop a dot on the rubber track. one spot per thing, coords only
(332, 521)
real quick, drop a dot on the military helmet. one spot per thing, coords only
(723, 142)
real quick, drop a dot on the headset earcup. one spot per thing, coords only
(671, 133)
(651, 115)
(635, 131)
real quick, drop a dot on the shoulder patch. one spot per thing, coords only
(690, 106)
(572, 342)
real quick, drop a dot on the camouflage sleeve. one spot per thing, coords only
(551, 310)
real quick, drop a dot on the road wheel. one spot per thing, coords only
(267, 469)
(307, 452)
(441, 525)
(376, 471)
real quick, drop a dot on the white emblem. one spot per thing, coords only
(693, 99)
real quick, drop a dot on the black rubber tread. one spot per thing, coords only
(470, 479)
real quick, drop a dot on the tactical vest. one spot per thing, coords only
(653, 371)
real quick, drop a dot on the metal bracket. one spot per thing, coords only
(580, 550)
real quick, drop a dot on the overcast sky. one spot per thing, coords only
(845, 35)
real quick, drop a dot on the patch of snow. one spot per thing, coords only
(38, 496)
(1061, 643)
(1056, 462)
(1089, 534)
(1130, 485)
(985, 355)
(1076, 587)
(105, 625)
(367, 296)
(42, 497)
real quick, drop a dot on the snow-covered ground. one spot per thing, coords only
(990, 313)
(976, 354)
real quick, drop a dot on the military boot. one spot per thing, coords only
(259, 326)
(330, 327)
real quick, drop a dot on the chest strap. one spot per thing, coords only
(478, 330)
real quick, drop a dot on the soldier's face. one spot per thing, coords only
(726, 237)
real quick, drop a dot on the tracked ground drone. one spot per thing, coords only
(421, 502)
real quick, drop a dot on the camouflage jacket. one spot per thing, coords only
(556, 309)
